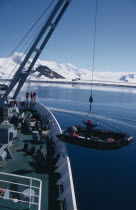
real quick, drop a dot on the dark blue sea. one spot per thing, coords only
(103, 180)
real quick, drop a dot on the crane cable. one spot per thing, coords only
(93, 61)
(93, 58)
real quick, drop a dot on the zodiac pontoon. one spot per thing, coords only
(101, 139)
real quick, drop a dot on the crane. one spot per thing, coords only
(48, 28)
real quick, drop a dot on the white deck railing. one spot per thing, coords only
(28, 186)
(60, 148)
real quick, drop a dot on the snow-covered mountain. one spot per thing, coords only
(66, 70)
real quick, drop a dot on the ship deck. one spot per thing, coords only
(25, 164)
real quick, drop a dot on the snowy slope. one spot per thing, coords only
(67, 70)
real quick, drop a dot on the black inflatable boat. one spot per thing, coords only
(101, 139)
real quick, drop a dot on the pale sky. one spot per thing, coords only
(72, 40)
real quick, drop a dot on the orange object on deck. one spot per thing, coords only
(33, 119)
(75, 135)
(111, 139)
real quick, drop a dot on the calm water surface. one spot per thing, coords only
(102, 179)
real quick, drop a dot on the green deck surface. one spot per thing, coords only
(25, 165)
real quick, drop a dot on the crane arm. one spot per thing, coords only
(20, 77)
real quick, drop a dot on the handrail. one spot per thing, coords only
(30, 194)
(62, 150)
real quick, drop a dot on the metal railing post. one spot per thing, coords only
(30, 194)
(40, 196)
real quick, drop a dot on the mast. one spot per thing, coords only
(49, 27)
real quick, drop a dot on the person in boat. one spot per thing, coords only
(89, 127)
(73, 131)
(27, 95)
(75, 134)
